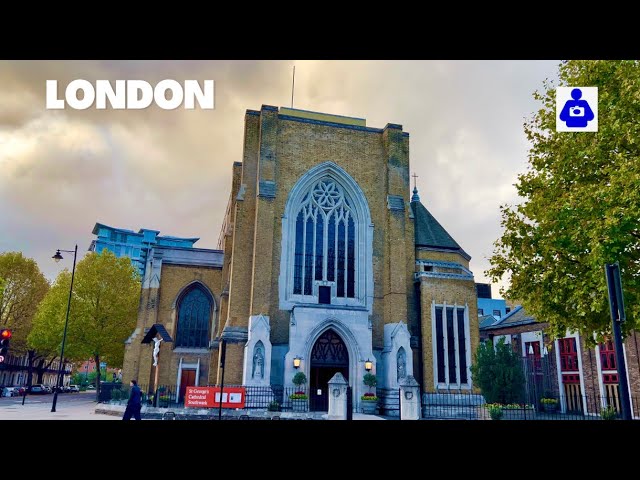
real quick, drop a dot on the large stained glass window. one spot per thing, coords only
(325, 243)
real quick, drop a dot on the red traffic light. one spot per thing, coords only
(5, 334)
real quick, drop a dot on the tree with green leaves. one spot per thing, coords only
(580, 208)
(103, 311)
(498, 373)
(22, 288)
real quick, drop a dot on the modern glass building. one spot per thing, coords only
(127, 243)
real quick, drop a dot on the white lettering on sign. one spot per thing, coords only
(131, 95)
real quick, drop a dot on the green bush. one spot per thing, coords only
(609, 413)
(299, 379)
(298, 396)
(495, 411)
(498, 373)
(116, 394)
(274, 406)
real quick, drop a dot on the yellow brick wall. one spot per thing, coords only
(451, 291)
(282, 151)
(138, 358)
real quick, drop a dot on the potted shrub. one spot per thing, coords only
(299, 398)
(609, 413)
(369, 401)
(273, 406)
(549, 405)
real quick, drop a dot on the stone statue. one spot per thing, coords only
(258, 362)
(402, 364)
(156, 350)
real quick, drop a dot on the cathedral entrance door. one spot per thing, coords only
(187, 379)
(328, 357)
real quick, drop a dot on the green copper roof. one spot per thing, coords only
(429, 232)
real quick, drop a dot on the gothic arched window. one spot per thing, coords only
(325, 241)
(194, 319)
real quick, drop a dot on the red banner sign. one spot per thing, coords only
(209, 397)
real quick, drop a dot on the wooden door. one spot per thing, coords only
(187, 379)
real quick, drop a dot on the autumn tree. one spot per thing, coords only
(103, 310)
(22, 288)
(580, 208)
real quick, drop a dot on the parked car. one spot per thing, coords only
(74, 388)
(38, 390)
(91, 387)
(10, 391)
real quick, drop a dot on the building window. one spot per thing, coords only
(532, 351)
(428, 268)
(324, 295)
(497, 313)
(194, 318)
(508, 309)
(480, 311)
(568, 355)
(452, 346)
(607, 356)
(325, 241)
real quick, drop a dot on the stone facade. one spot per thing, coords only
(390, 252)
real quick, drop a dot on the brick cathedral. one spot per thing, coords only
(325, 264)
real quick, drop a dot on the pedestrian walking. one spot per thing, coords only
(134, 405)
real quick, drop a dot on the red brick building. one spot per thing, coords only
(584, 379)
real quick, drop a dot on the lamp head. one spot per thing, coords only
(296, 362)
(368, 365)
(57, 257)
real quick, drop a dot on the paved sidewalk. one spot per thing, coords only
(41, 410)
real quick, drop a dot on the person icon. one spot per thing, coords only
(576, 113)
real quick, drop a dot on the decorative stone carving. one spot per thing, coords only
(258, 361)
(401, 362)
(338, 400)
(409, 399)
(257, 352)
(397, 355)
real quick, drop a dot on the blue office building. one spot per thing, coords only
(488, 305)
(127, 243)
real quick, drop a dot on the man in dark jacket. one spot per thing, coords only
(134, 405)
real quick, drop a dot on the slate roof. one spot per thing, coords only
(157, 328)
(515, 317)
(429, 232)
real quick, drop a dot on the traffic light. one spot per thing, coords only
(5, 336)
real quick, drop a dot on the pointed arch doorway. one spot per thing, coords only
(328, 357)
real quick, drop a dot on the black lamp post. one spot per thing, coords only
(57, 257)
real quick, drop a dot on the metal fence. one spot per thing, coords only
(466, 406)
(275, 398)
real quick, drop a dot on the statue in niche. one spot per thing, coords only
(258, 361)
(402, 364)
(156, 350)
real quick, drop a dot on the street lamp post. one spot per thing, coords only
(57, 257)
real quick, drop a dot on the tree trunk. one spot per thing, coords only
(97, 359)
(40, 370)
(31, 357)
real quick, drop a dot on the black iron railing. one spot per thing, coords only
(468, 406)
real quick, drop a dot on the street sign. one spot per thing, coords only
(209, 397)
(103, 364)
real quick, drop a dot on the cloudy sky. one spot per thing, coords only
(63, 171)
